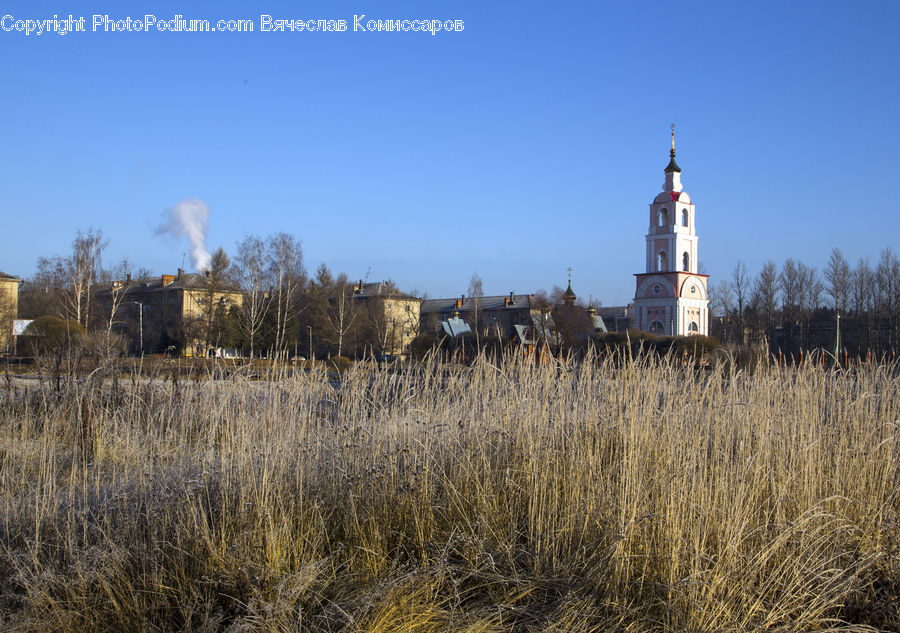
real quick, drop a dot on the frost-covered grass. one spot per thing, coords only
(641, 497)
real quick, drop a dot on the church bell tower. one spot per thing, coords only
(670, 297)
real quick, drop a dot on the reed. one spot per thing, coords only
(608, 496)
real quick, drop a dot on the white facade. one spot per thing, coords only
(671, 296)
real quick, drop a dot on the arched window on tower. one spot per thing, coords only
(686, 262)
(656, 327)
(684, 217)
(693, 328)
(663, 217)
(662, 262)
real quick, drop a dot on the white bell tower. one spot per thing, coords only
(670, 297)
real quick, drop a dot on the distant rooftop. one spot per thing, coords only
(380, 289)
(179, 281)
(511, 301)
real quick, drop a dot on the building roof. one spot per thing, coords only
(166, 283)
(6, 277)
(455, 326)
(382, 289)
(672, 166)
(497, 302)
(599, 324)
(612, 312)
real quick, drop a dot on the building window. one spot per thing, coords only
(656, 326)
(686, 262)
(684, 217)
(693, 328)
(662, 261)
(663, 217)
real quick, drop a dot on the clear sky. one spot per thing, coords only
(531, 141)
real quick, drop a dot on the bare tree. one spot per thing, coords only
(286, 279)
(69, 280)
(250, 272)
(217, 280)
(117, 279)
(765, 295)
(721, 298)
(721, 303)
(789, 281)
(837, 274)
(740, 286)
(343, 313)
(82, 268)
(862, 300)
(811, 290)
(861, 293)
(887, 281)
(44, 294)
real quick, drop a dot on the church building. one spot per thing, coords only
(670, 297)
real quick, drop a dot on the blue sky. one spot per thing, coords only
(529, 142)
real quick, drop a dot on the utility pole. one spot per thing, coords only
(309, 329)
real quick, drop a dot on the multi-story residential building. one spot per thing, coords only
(9, 309)
(170, 312)
(393, 316)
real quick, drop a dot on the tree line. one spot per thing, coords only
(795, 307)
(284, 312)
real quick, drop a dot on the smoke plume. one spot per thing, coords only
(189, 218)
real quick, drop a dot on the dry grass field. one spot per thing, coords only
(644, 496)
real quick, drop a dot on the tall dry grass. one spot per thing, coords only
(640, 497)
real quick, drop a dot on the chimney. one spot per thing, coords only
(128, 279)
(180, 273)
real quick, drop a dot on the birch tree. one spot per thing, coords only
(250, 272)
(82, 268)
(343, 313)
(286, 280)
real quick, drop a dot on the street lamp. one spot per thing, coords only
(141, 322)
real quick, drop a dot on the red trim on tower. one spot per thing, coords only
(674, 195)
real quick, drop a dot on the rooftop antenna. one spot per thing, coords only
(182, 260)
(367, 274)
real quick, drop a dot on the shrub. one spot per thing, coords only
(424, 343)
(697, 347)
(340, 364)
(52, 334)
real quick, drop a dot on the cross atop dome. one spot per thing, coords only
(672, 166)
(673, 171)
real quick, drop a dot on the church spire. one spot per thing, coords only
(672, 166)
